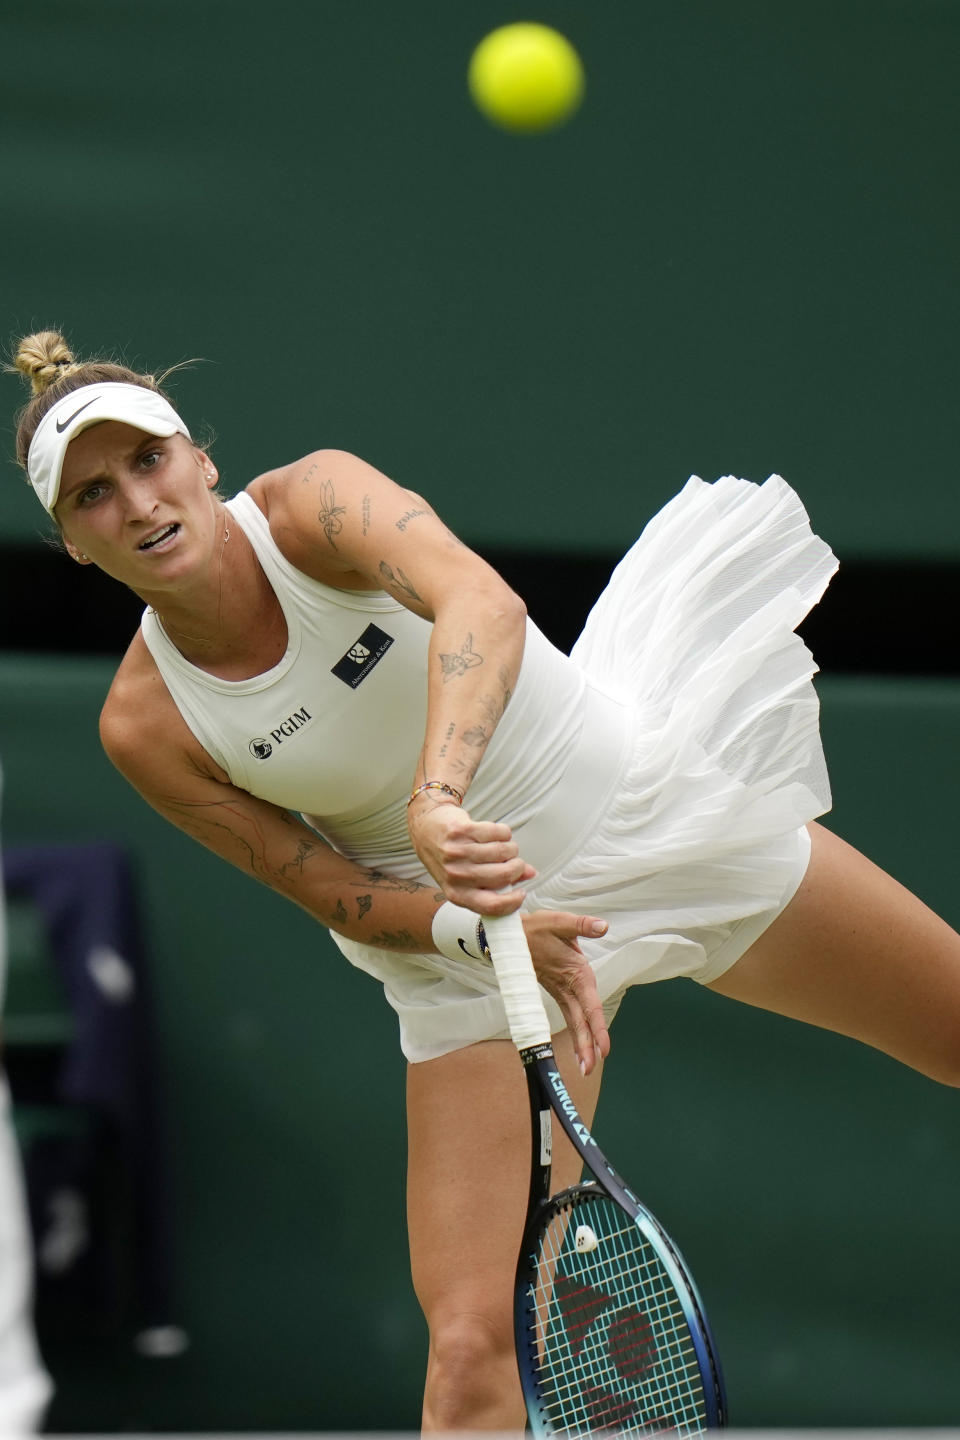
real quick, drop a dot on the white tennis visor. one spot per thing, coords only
(86, 406)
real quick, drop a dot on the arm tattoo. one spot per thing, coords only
(404, 520)
(365, 510)
(364, 902)
(446, 740)
(464, 660)
(397, 580)
(505, 682)
(340, 914)
(381, 880)
(393, 940)
(329, 514)
(305, 849)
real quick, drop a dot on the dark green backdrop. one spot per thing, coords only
(740, 257)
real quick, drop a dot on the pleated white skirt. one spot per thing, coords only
(705, 706)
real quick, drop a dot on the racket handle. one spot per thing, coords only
(517, 979)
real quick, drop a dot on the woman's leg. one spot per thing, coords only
(857, 953)
(469, 1171)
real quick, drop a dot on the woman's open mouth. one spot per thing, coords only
(160, 539)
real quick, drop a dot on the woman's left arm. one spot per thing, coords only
(337, 518)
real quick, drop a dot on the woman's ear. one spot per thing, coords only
(209, 471)
(76, 554)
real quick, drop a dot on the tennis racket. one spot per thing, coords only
(611, 1334)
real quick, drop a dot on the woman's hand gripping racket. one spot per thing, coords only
(611, 1334)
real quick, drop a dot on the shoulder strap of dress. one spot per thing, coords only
(256, 527)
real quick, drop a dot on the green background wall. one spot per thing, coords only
(740, 257)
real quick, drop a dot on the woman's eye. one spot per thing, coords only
(149, 459)
(92, 492)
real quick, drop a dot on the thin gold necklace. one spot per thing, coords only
(203, 639)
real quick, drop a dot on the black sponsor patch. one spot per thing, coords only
(363, 654)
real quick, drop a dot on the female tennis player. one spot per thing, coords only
(330, 691)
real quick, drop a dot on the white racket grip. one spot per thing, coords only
(517, 979)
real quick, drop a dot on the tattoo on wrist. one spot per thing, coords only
(451, 730)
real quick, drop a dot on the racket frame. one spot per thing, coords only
(549, 1097)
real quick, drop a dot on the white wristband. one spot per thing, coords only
(458, 931)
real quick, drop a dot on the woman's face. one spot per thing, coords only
(137, 505)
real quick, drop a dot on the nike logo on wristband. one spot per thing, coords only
(67, 423)
(481, 941)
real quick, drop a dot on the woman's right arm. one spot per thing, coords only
(147, 739)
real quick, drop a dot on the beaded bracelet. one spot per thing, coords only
(437, 785)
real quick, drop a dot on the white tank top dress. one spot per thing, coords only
(660, 776)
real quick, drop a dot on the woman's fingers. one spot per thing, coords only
(565, 973)
(495, 901)
(585, 1019)
(472, 860)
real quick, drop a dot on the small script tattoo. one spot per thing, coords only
(365, 514)
(397, 580)
(310, 474)
(329, 514)
(465, 659)
(451, 729)
(404, 520)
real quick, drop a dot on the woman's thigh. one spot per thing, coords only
(469, 1170)
(857, 953)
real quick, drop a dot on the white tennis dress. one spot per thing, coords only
(660, 776)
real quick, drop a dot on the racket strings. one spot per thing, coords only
(612, 1344)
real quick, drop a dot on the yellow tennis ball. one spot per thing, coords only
(526, 77)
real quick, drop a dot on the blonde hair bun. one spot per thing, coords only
(44, 358)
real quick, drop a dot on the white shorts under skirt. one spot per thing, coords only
(681, 819)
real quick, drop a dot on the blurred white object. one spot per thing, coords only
(112, 974)
(66, 1234)
(162, 1342)
(25, 1386)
